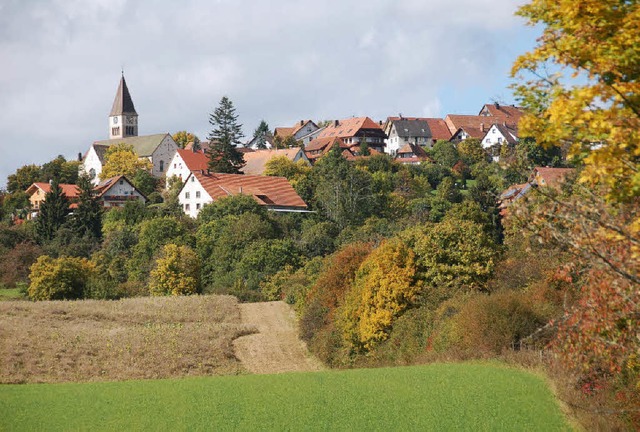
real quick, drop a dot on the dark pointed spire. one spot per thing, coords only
(122, 104)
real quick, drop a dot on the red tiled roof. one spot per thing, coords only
(552, 176)
(283, 132)
(194, 160)
(256, 161)
(439, 129)
(468, 122)
(348, 127)
(69, 190)
(321, 143)
(505, 113)
(266, 190)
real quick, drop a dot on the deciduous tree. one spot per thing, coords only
(177, 272)
(62, 278)
(121, 159)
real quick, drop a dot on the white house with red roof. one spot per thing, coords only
(202, 188)
(116, 191)
(185, 161)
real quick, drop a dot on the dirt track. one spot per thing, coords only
(276, 347)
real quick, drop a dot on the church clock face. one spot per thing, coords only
(131, 120)
(115, 120)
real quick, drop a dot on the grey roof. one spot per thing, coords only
(143, 145)
(412, 128)
(100, 151)
(122, 104)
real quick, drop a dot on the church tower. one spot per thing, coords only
(123, 120)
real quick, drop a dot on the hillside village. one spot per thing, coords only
(406, 140)
(499, 247)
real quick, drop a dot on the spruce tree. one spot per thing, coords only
(225, 135)
(53, 213)
(87, 218)
(261, 133)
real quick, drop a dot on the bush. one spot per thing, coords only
(62, 278)
(493, 323)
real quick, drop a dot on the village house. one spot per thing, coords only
(256, 162)
(253, 144)
(38, 191)
(159, 149)
(117, 191)
(321, 146)
(412, 154)
(422, 131)
(354, 131)
(539, 177)
(274, 193)
(113, 192)
(499, 134)
(185, 161)
(304, 131)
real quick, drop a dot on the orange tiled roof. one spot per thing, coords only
(552, 176)
(266, 190)
(194, 160)
(348, 127)
(69, 190)
(439, 129)
(283, 132)
(503, 113)
(468, 122)
(256, 161)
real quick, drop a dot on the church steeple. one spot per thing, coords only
(123, 119)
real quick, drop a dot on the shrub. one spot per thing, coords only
(384, 288)
(493, 323)
(62, 278)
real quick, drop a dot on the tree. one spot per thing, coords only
(87, 217)
(343, 192)
(597, 117)
(177, 272)
(182, 138)
(471, 151)
(62, 278)
(224, 137)
(23, 178)
(145, 182)
(231, 206)
(445, 153)
(364, 147)
(65, 171)
(260, 134)
(282, 166)
(121, 159)
(53, 213)
(384, 288)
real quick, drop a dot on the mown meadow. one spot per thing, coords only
(467, 396)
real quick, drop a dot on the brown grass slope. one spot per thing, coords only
(140, 338)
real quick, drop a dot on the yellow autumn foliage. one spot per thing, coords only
(177, 272)
(384, 288)
(121, 159)
(596, 114)
(63, 278)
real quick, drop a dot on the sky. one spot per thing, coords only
(278, 60)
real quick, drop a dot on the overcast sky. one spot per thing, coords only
(278, 60)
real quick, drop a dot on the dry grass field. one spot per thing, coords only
(152, 337)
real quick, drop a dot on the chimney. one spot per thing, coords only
(79, 157)
(240, 190)
(482, 127)
(301, 122)
(380, 122)
(336, 123)
(497, 105)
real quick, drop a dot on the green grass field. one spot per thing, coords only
(11, 294)
(474, 397)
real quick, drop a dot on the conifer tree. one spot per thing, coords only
(225, 135)
(261, 133)
(87, 218)
(53, 212)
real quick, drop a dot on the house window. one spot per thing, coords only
(92, 173)
(161, 166)
(115, 131)
(197, 194)
(500, 139)
(121, 182)
(186, 207)
(175, 165)
(193, 179)
(187, 195)
(198, 206)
